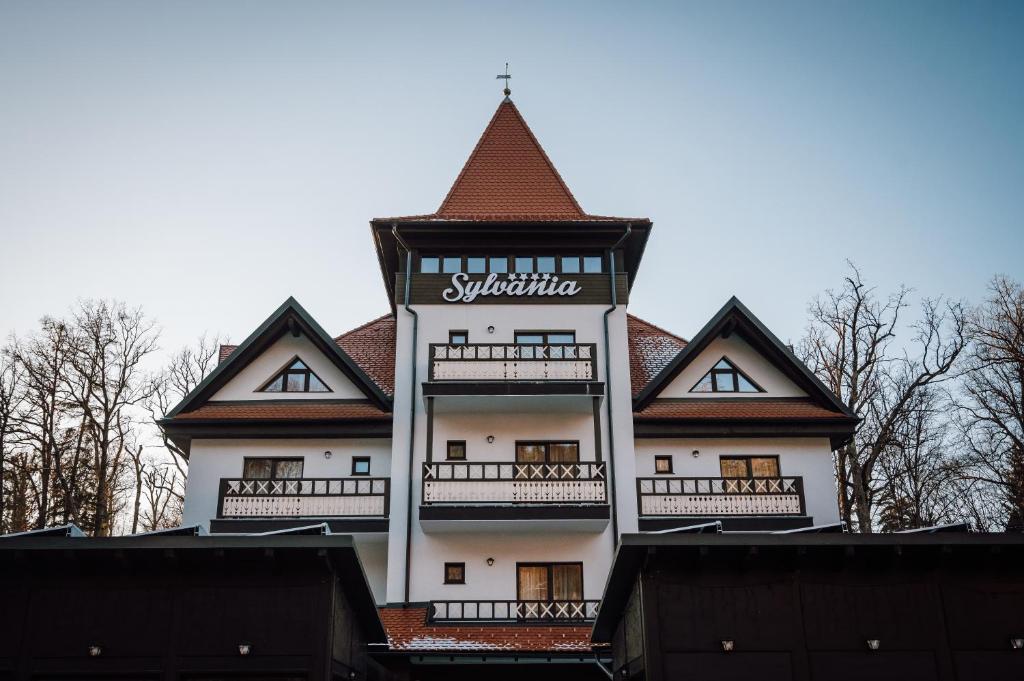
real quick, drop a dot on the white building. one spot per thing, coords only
(489, 438)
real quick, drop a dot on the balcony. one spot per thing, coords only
(740, 503)
(481, 362)
(550, 377)
(511, 495)
(348, 504)
(524, 612)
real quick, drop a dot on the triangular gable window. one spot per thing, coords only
(724, 377)
(296, 377)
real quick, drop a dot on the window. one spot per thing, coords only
(454, 573)
(724, 377)
(456, 450)
(296, 377)
(546, 264)
(524, 264)
(570, 264)
(663, 464)
(549, 581)
(271, 469)
(545, 337)
(498, 265)
(476, 265)
(547, 452)
(451, 264)
(592, 264)
(749, 466)
(360, 465)
(430, 265)
(458, 337)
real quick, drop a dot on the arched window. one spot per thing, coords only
(296, 377)
(724, 377)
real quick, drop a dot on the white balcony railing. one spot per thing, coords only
(514, 483)
(720, 496)
(508, 362)
(513, 611)
(303, 497)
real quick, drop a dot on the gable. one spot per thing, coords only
(745, 358)
(246, 384)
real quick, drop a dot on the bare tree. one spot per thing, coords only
(849, 345)
(186, 370)
(11, 395)
(111, 342)
(991, 402)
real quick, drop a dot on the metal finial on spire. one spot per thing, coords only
(506, 77)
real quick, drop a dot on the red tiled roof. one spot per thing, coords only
(372, 347)
(509, 178)
(225, 351)
(408, 630)
(284, 410)
(650, 350)
(741, 408)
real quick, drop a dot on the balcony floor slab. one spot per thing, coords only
(514, 519)
(763, 523)
(337, 525)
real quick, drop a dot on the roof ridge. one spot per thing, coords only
(362, 326)
(655, 326)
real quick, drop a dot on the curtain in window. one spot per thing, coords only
(734, 468)
(564, 452)
(533, 583)
(257, 469)
(764, 467)
(567, 582)
(530, 453)
(286, 468)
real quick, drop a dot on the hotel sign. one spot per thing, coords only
(463, 290)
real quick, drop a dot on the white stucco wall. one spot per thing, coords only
(809, 458)
(246, 385)
(211, 460)
(746, 359)
(473, 424)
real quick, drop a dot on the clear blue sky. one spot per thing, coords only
(207, 159)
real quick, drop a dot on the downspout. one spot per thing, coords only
(608, 384)
(412, 406)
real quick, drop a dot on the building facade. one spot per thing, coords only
(488, 440)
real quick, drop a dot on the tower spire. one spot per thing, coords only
(506, 77)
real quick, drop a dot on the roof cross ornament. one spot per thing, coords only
(506, 77)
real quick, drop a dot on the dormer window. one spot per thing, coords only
(295, 378)
(724, 377)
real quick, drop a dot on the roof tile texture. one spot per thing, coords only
(408, 630)
(292, 409)
(651, 349)
(745, 408)
(372, 347)
(508, 175)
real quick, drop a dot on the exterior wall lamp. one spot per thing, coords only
(490, 329)
(728, 645)
(244, 648)
(490, 439)
(874, 644)
(327, 454)
(696, 453)
(1017, 643)
(490, 561)
(95, 651)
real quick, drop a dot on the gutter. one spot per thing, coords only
(412, 406)
(608, 383)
